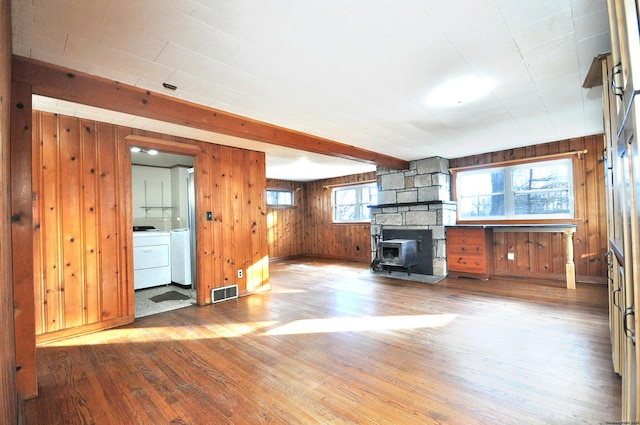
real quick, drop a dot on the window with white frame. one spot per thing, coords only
(279, 197)
(351, 203)
(535, 190)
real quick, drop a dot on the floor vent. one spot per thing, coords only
(225, 293)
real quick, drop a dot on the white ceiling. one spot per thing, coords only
(360, 72)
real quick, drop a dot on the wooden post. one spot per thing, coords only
(22, 240)
(570, 267)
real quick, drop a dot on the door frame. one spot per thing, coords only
(166, 146)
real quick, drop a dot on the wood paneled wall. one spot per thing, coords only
(286, 225)
(80, 215)
(327, 239)
(8, 387)
(543, 254)
(231, 183)
(83, 231)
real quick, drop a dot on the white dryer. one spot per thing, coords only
(180, 257)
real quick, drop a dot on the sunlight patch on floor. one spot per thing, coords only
(359, 324)
(162, 333)
(233, 330)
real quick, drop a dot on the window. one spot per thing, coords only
(536, 190)
(351, 203)
(279, 198)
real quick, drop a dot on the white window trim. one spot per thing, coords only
(509, 193)
(359, 204)
(293, 198)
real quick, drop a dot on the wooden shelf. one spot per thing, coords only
(156, 208)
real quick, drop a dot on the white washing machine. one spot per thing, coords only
(180, 257)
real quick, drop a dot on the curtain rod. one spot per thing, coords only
(331, 186)
(523, 160)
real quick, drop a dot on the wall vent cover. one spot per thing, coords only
(225, 293)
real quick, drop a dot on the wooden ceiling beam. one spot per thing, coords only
(66, 84)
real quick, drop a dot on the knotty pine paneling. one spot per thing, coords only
(230, 183)
(79, 180)
(323, 237)
(83, 233)
(9, 401)
(285, 225)
(543, 254)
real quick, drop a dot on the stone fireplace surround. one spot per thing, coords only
(415, 199)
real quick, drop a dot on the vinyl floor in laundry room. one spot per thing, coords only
(150, 301)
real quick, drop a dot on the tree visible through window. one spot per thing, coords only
(541, 190)
(351, 203)
(532, 190)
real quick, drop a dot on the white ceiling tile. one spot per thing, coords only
(519, 13)
(129, 40)
(174, 27)
(177, 57)
(80, 16)
(590, 25)
(587, 7)
(353, 71)
(464, 21)
(556, 56)
(540, 32)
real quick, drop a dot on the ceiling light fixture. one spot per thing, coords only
(136, 149)
(459, 91)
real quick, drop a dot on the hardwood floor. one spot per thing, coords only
(332, 343)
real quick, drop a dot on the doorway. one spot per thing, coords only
(163, 205)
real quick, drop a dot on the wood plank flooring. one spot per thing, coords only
(334, 344)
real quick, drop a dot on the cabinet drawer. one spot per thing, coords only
(464, 248)
(467, 263)
(468, 232)
(465, 240)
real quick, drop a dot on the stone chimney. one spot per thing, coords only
(416, 199)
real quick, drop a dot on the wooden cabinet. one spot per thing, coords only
(470, 252)
(621, 82)
(625, 50)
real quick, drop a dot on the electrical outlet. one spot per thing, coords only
(239, 273)
(511, 256)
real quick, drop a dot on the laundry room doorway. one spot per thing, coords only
(163, 217)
